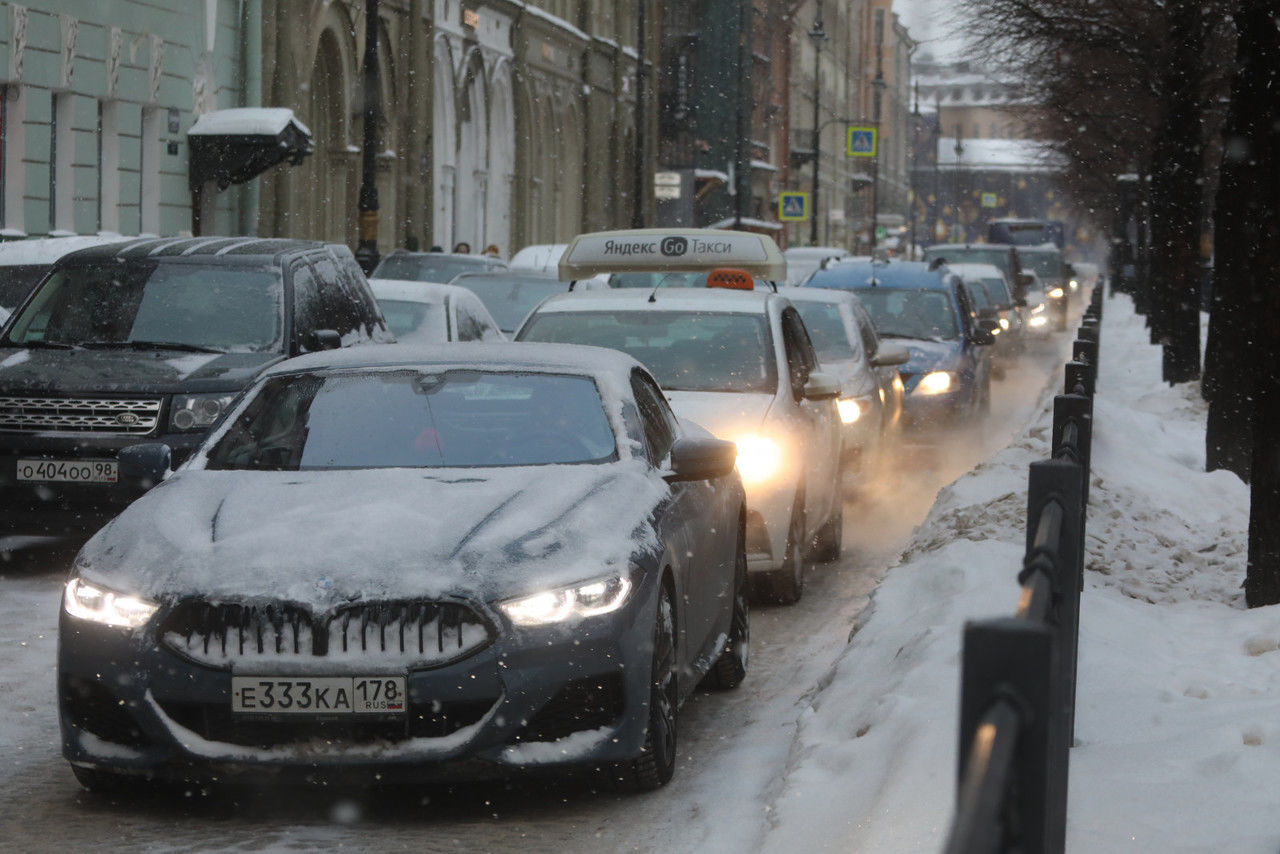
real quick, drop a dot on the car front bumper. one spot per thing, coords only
(533, 698)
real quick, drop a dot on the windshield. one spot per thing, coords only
(417, 419)
(509, 300)
(827, 330)
(427, 267)
(902, 313)
(415, 322)
(686, 351)
(653, 280)
(19, 280)
(1046, 265)
(999, 291)
(198, 306)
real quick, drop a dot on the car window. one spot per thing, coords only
(416, 322)
(357, 287)
(488, 329)
(18, 280)
(870, 341)
(508, 300)
(210, 306)
(417, 419)
(342, 309)
(467, 326)
(308, 312)
(426, 266)
(908, 313)
(656, 418)
(827, 330)
(684, 350)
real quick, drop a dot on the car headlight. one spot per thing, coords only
(1073, 284)
(1039, 308)
(1056, 293)
(1004, 323)
(1038, 321)
(759, 458)
(197, 411)
(852, 408)
(86, 601)
(590, 599)
(935, 382)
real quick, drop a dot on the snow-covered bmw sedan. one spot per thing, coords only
(411, 563)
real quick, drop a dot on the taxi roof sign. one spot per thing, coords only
(727, 277)
(661, 250)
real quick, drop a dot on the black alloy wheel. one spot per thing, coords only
(731, 667)
(656, 764)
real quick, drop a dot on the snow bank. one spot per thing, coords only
(1178, 735)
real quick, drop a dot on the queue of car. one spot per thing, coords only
(451, 557)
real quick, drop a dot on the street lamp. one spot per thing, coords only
(817, 35)
(877, 95)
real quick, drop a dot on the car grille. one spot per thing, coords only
(80, 415)
(379, 633)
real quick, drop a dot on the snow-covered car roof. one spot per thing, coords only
(46, 250)
(818, 252)
(978, 271)
(828, 295)
(559, 358)
(407, 291)
(655, 250)
(663, 299)
(539, 256)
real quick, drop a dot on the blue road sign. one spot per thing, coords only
(793, 207)
(861, 142)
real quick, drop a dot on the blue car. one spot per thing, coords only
(948, 378)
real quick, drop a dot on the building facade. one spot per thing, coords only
(95, 102)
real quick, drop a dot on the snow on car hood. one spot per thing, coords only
(319, 538)
(725, 414)
(928, 355)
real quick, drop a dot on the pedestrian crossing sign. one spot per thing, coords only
(793, 207)
(862, 141)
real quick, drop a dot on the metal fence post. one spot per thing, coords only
(1013, 660)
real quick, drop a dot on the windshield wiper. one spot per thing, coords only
(150, 345)
(45, 345)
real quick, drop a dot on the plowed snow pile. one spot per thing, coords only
(1178, 720)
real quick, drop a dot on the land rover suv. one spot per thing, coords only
(151, 340)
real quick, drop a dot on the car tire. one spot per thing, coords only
(785, 586)
(656, 764)
(731, 667)
(829, 541)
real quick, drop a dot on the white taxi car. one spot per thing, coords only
(734, 359)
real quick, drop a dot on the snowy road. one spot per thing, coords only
(735, 747)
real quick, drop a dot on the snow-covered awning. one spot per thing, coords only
(747, 224)
(233, 146)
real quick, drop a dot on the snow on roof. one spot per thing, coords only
(407, 291)
(763, 166)
(554, 20)
(246, 121)
(985, 271)
(711, 174)
(997, 155)
(46, 250)
(749, 222)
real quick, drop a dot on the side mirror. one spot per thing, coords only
(984, 333)
(1026, 279)
(323, 339)
(821, 387)
(891, 354)
(145, 465)
(701, 459)
(1020, 302)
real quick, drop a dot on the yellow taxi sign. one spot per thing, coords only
(658, 250)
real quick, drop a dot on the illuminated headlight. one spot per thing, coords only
(197, 411)
(1056, 293)
(602, 596)
(1038, 321)
(1004, 323)
(99, 605)
(850, 409)
(759, 458)
(935, 382)
(1039, 308)
(1073, 284)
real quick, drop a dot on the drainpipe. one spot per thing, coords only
(252, 53)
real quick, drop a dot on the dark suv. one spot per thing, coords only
(151, 340)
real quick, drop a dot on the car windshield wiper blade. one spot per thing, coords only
(150, 345)
(46, 345)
